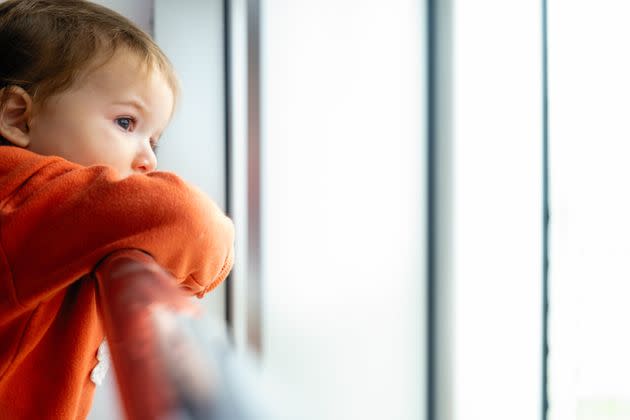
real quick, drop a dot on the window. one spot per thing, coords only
(589, 90)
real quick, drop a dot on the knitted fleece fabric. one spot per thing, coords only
(57, 221)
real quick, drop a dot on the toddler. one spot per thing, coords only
(84, 98)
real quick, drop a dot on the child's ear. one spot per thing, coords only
(15, 114)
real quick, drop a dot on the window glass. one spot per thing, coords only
(343, 206)
(589, 92)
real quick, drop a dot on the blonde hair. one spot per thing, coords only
(45, 45)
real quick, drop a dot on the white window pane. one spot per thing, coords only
(589, 106)
(497, 210)
(343, 205)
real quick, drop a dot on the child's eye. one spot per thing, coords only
(126, 123)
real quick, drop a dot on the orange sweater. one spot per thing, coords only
(57, 221)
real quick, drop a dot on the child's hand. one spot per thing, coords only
(133, 281)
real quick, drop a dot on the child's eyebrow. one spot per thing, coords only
(136, 103)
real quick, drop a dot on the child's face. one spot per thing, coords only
(112, 116)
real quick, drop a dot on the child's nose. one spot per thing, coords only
(145, 162)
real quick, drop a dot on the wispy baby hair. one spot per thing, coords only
(46, 44)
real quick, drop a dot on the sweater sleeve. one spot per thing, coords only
(61, 219)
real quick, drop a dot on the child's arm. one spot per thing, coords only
(60, 219)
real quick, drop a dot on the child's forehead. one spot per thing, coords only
(122, 68)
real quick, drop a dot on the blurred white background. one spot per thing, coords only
(344, 206)
(589, 127)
